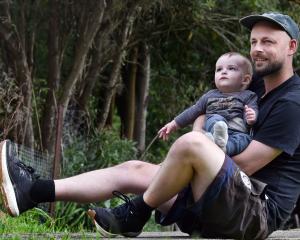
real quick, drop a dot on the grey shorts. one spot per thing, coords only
(234, 206)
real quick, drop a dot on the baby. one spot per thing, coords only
(230, 109)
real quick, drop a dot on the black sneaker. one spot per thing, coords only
(16, 180)
(122, 220)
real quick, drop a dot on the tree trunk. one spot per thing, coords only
(110, 86)
(50, 107)
(14, 42)
(89, 25)
(93, 72)
(142, 98)
(110, 116)
(130, 86)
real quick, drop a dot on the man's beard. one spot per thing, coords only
(268, 70)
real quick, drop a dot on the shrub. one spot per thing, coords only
(98, 151)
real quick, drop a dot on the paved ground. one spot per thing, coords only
(278, 235)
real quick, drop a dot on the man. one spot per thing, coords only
(221, 200)
(215, 197)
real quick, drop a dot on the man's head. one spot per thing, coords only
(274, 40)
(233, 72)
(283, 21)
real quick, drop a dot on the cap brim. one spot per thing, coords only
(251, 20)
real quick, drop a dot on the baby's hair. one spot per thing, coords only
(246, 64)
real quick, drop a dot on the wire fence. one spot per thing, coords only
(40, 161)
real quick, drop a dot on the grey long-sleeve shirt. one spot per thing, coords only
(229, 105)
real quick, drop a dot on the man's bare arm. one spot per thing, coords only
(256, 156)
(199, 123)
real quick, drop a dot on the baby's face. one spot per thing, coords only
(229, 74)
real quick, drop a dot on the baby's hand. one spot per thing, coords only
(165, 131)
(250, 115)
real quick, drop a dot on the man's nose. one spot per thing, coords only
(256, 48)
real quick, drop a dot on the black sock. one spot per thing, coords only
(143, 208)
(43, 191)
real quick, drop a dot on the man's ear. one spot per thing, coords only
(293, 46)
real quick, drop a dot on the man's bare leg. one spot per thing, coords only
(128, 177)
(192, 159)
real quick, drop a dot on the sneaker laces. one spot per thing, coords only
(123, 211)
(28, 169)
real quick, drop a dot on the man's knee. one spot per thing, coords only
(190, 140)
(137, 175)
(189, 143)
(132, 165)
(195, 147)
(137, 167)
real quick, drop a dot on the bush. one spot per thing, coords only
(98, 151)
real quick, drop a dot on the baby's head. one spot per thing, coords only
(233, 72)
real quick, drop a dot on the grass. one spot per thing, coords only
(37, 224)
(33, 221)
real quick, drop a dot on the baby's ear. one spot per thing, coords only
(246, 80)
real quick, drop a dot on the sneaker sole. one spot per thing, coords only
(91, 213)
(7, 189)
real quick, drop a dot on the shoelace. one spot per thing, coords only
(28, 169)
(123, 211)
(23, 166)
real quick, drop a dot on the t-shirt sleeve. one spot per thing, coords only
(281, 128)
(189, 115)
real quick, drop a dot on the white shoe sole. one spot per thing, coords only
(91, 213)
(8, 193)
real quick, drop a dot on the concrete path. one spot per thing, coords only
(278, 235)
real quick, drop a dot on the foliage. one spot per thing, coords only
(96, 151)
(11, 112)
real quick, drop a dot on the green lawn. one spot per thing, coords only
(37, 224)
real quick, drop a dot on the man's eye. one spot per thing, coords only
(268, 41)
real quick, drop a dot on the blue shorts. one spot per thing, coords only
(233, 206)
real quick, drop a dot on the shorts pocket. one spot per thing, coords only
(258, 188)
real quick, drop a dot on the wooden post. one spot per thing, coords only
(57, 151)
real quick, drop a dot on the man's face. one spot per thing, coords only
(229, 74)
(269, 48)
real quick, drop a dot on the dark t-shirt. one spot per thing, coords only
(278, 126)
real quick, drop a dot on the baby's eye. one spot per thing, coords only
(232, 68)
(218, 69)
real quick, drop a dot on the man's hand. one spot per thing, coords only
(167, 129)
(250, 115)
